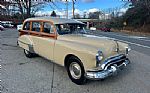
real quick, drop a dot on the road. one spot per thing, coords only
(137, 43)
(38, 75)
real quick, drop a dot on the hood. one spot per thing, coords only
(106, 45)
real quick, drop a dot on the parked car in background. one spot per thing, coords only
(19, 27)
(65, 42)
(1, 28)
(7, 24)
(105, 29)
(92, 28)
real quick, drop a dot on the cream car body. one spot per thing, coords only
(59, 48)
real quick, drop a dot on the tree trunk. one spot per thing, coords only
(29, 9)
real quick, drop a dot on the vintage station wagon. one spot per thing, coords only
(65, 42)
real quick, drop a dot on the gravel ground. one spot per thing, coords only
(38, 75)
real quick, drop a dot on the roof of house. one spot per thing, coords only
(56, 20)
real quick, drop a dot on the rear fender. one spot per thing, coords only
(25, 42)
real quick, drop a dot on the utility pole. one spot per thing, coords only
(67, 9)
(73, 8)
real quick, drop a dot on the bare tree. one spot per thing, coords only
(53, 14)
(95, 15)
(29, 7)
(84, 15)
(77, 16)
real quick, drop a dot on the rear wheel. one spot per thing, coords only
(29, 54)
(76, 71)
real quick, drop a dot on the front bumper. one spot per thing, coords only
(110, 67)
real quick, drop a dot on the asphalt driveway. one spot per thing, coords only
(38, 75)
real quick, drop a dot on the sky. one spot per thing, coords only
(81, 6)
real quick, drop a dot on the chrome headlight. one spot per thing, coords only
(99, 57)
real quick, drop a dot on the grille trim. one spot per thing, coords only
(118, 59)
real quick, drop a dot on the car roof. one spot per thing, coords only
(56, 20)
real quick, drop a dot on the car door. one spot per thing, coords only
(45, 40)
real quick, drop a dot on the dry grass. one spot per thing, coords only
(138, 32)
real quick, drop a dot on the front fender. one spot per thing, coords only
(84, 52)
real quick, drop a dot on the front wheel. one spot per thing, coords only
(76, 71)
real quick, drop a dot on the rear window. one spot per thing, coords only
(26, 26)
(48, 28)
(36, 26)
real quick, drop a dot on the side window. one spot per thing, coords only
(36, 26)
(48, 28)
(26, 26)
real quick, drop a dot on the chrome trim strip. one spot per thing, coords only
(31, 49)
(112, 60)
(23, 42)
(107, 65)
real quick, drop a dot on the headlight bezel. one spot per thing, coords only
(99, 57)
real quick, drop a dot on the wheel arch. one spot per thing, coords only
(67, 58)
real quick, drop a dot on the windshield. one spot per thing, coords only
(70, 29)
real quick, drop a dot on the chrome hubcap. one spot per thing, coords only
(75, 70)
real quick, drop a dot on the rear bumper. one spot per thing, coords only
(110, 67)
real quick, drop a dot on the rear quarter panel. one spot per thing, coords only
(24, 41)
